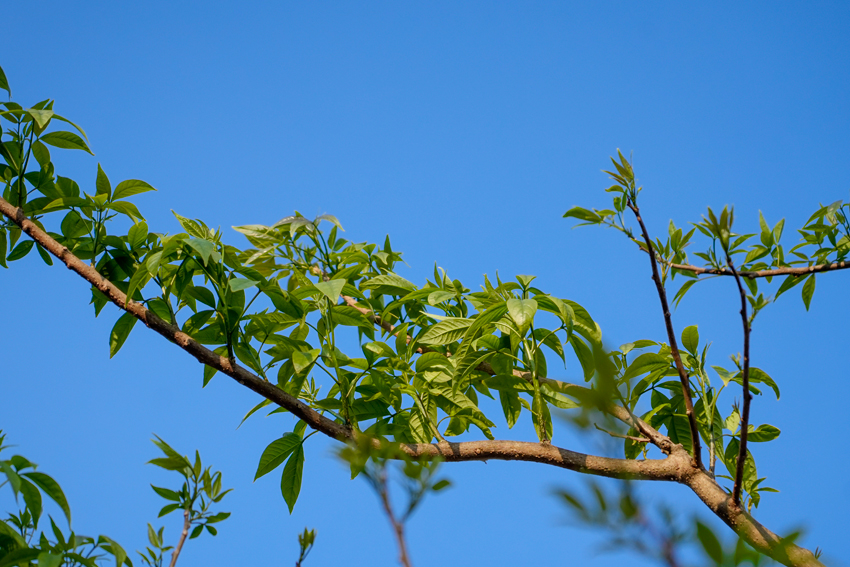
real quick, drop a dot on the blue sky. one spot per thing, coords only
(464, 132)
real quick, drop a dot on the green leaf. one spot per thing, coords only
(808, 291)
(757, 376)
(277, 452)
(349, 316)
(32, 498)
(116, 550)
(710, 543)
(166, 493)
(511, 406)
(583, 214)
(647, 362)
(389, 284)
(585, 357)
(17, 557)
(238, 284)
(22, 249)
(138, 281)
(290, 480)
(690, 338)
(446, 332)
(330, 218)
(192, 227)
(205, 248)
(40, 116)
(522, 312)
(52, 489)
(120, 332)
(102, 183)
(4, 83)
(66, 141)
(137, 235)
(302, 359)
(130, 187)
(763, 433)
(331, 289)
(46, 559)
(439, 296)
(127, 208)
(44, 255)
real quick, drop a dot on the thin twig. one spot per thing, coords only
(745, 415)
(671, 336)
(398, 527)
(788, 271)
(186, 525)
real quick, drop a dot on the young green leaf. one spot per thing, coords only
(120, 332)
(290, 480)
(808, 291)
(65, 140)
(131, 187)
(331, 289)
(4, 83)
(690, 338)
(102, 183)
(52, 489)
(276, 452)
(522, 312)
(446, 332)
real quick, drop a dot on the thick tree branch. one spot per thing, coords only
(676, 467)
(745, 414)
(753, 532)
(671, 336)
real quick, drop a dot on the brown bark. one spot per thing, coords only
(183, 533)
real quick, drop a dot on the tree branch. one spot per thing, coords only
(676, 467)
(185, 532)
(801, 271)
(671, 336)
(745, 415)
(398, 527)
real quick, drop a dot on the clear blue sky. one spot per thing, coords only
(464, 131)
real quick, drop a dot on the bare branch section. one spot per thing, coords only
(671, 336)
(745, 414)
(183, 534)
(676, 467)
(801, 271)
